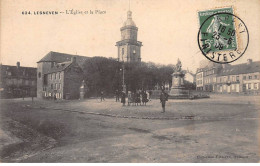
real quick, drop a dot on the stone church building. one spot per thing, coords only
(129, 49)
(59, 75)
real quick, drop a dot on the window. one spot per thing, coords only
(249, 86)
(237, 78)
(39, 74)
(59, 85)
(55, 76)
(56, 86)
(249, 77)
(255, 86)
(26, 82)
(51, 76)
(51, 86)
(59, 76)
(256, 77)
(20, 81)
(244, 77)
(123, 51)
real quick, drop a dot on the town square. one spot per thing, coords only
(107, 82)
(93, 131)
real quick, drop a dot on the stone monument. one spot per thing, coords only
(82, 90)
(178, 89)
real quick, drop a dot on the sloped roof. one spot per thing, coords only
(208, 64)
(20, 72)
(62, 57)
(187, 71)
(243, 68)
(59, 67)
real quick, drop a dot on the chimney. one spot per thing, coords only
(73, 59)
(249, 61)
(18, 65)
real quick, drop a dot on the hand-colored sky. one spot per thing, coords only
(167, 28)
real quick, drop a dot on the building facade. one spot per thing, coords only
(60, 76)
(17, 81)
(240, 78)
(129, 49)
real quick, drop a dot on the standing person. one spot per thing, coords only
(134, 98)
(144, 98)
(148, 96)
(123, 98)
(163, 99)
(141, 97)
(129, 96)
(137, 99)
(54, 97)
(102, 96)
(117, 96)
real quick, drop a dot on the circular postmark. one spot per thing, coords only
(223, 38)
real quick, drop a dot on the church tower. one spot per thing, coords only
(129, 49)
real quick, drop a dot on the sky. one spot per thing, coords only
(167, 28)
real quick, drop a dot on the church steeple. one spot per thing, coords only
(129, 49)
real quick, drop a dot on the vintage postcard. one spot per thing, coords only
(129, 81)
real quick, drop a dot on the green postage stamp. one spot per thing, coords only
(219, 36)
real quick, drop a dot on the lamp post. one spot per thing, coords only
(124, 86)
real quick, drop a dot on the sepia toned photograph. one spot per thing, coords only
(129, 81)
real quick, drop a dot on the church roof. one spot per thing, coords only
(129, 21)
(62, 57)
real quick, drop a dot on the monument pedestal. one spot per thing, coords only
(82, 90)
(178, 89)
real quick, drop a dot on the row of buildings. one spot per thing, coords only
(17, 81)
(226, 78)
(57, 75)
(60, 75)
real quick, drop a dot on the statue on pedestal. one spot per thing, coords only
(178, 89)
(178, 66)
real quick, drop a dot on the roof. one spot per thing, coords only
(243, 68)
(129, 21)
(208, 64)
(188, 72)
(59, 67)
(20, 72)
(62, 57)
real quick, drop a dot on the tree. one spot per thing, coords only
(103, 74)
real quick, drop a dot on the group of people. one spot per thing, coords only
(135, 98)
(138, 98)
